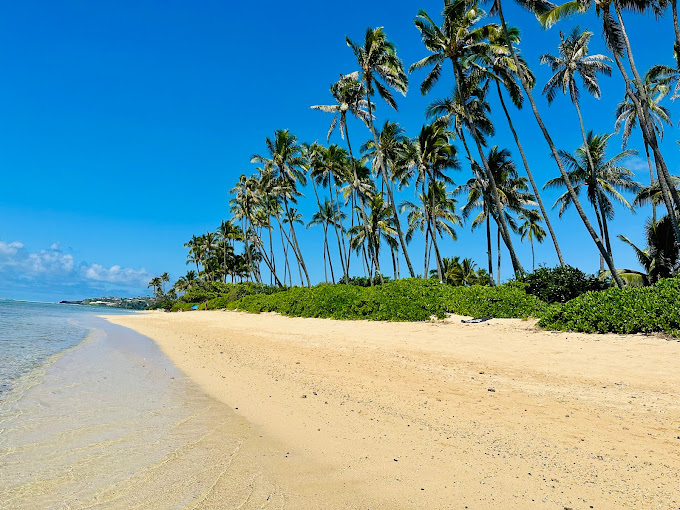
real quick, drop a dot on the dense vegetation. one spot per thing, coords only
(364, 228)
(635, 310)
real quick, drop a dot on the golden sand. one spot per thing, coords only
(440, 414)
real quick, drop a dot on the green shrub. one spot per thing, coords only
(561, 284)
(402, 300)
(182, 306)
(635, 310)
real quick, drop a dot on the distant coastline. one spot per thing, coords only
(136, 303)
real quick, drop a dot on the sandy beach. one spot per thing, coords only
(439, 414)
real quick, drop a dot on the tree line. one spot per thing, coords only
(355, 186)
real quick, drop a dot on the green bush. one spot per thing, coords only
(402, 300)
(561, 284)
(635, 310)
(182, 306)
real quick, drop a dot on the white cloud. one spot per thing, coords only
(9, 249)
(636, 164)
(18, 264)
(116, 274)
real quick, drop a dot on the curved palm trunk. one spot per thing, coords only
(296, 246)
(649, 141)
(651, 179)
(498, 241)
(553, 149)
(388, 184)
(517, 266)
(534, 187)
(601, 219)
(344, 262)
(425, 258)
(662, 168)
(488, 244)
(362, 204)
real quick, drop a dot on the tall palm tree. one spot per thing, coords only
(499, 68)
(573, 59)
(602, 182)
(380, 228)
(512, 189)
(431, 155)
(541, 8)
(531, 229)
(325, 217)
(157, 284)
(378, 62)
(285, 157)
(617, 41)
(330, 170)
(386, 157)
(457, 40)
(627, 117)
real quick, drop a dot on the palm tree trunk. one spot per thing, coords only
(488, 244)
(531, 177)
(498, 240)
(649, 138)
(425, 258)
(388, 183)
(651, 179)
(651, 135)
(325, 268)
(295, 245)
(553, 149)
(328, 250)
(344, 262)
(362, 204)
(676, 46)
(517, 266)
(593, 176)
(599, 224)
(533, 257)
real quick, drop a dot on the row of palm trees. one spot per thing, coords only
(356, 191)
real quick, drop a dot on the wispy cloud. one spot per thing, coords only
(636, 164)
(58, 270)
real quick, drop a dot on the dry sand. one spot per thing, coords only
(441, 414)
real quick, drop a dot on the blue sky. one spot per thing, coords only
(124, 124)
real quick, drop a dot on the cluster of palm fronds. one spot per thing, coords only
(355, 190)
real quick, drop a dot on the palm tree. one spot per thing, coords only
(378, 62)
(513, 192)
(435, 216)
(430, 154)
(573, 59)
(616, 39)
(458, 39)
(626, 116)
(285, 156)
(325, 216)
(531, 229)
(329, 170)
(499, 68)
(380, 228)
(157, 284)
(661, 258)
(540, 8)
(386, 158)
(605, 180)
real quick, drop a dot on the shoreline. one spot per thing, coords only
(443, 414)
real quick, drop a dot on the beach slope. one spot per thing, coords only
(442, 414)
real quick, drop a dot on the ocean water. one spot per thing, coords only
(93, 415)
(32, 333)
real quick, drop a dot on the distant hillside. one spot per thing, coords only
(137, 303)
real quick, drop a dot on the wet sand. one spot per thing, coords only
(114, 424)
(441, 414)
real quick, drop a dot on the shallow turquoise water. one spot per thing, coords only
(31, 333)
